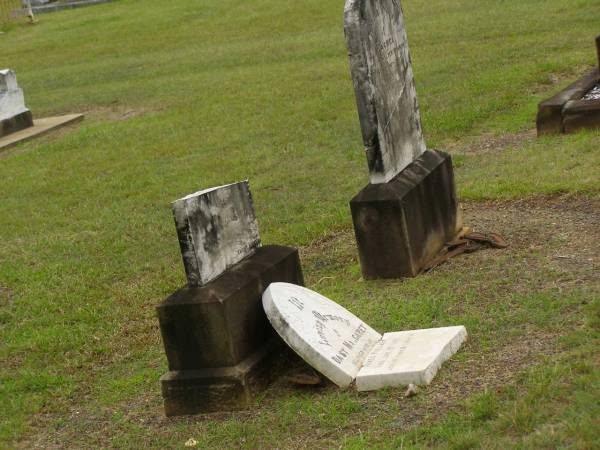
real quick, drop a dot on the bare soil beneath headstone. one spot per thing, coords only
(490, 143)
(553, 248)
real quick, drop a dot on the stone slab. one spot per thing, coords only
(549, 118)
(401, 225)
(327, 336)
(188, 392)
(217, 228)
(408, 357)
(384, 86)
(39, 128)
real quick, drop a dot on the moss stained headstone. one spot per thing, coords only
(219, 344)
(409, 210)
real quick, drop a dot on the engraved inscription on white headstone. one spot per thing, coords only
(217, 228)
(12, 101)
(345, 349)
(384, 86)
(408, 357)
(326, 335)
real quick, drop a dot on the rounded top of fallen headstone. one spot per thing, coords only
(327, 336)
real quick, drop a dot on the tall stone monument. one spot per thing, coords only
(409, 210)
(219, 344)
(14, 115)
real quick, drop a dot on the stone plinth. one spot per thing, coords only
(16, 123)
(219, 344)
(401, 225)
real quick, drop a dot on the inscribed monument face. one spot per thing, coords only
(345, 349)
(384, 86)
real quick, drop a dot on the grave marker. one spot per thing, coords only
(14, 115)
(409, 210)
(345, 349)
(220, 346)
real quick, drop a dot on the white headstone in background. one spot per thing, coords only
(384, 86)
(217, 228)
(344, 348)
(327, 336)
(407, 357)
(12, 101)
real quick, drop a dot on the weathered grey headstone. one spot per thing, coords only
(409, 209)
(217, 228)
(14, 115)
(219, 344)
(345, 349)
(384, 86)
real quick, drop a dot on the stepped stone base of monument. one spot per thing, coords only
(219, 343)
(16, 123)
(188, 392)
(401, 225)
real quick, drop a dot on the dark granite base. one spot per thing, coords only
(220, 389)
(215, 335)
(401, 225)
(566, 112)
(16, 123)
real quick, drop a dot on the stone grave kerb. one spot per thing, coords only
(575, 107)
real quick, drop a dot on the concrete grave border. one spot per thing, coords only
(567, 112)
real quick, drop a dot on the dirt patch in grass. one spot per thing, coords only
(489, 143)
(118, 112)
(553, 249)
(6, 295)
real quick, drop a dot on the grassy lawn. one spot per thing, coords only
(182, 95)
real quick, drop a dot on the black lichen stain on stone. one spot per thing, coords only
(374, 156)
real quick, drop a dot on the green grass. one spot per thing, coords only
(183, 95)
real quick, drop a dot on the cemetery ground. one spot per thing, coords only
(185, 95)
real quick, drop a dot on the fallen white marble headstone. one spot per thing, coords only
(345, 349)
